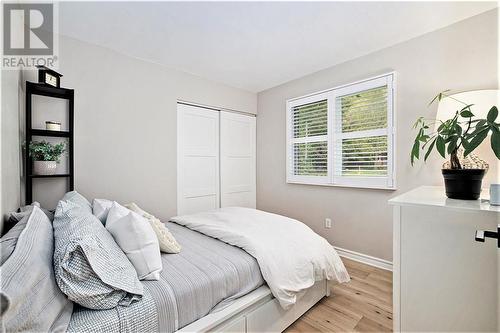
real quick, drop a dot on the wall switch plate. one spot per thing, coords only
(328, 223)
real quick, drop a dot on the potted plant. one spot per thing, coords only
(45, 156)
(457, 138)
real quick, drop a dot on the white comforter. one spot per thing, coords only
(291, 256)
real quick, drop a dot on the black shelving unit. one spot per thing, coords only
(42, 89)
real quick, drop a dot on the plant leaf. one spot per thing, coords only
(453, 144)
(429, 149)
(476, 141)
(492, 114)
(440, 145)
(466, 114)
(439, 96)
(481, 123)
(415, 151)
(440, 128)
(495, 142)
(424, 138)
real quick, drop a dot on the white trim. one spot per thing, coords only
(342, 86)
(309, 139)
(364, 258)
(320, 182)
(215, 108)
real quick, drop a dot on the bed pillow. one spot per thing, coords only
(100, 208)
(8, 241)
(30, 298)
(78, 200)
(14, 226)
(168, 244)
(137, 239)
(89, 266)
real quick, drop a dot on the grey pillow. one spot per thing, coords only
(31, 300)
(78, 200)
(90, 267)
(9, 240)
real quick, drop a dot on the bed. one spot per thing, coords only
(239, 270)
(209, 286)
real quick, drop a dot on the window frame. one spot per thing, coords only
(386, 182)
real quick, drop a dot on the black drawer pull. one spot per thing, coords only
(481, 235)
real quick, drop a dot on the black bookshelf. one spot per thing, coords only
(42, 89)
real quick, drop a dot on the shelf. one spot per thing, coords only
(41, 89)
(48, 91)
(40, 132)
(50, 176)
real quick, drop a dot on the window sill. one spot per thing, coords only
(365, 187)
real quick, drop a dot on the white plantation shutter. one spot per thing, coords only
(363, 134)
(308, 149)
(343, 136)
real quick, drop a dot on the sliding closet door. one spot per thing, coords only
(237, 160)
(197, 159)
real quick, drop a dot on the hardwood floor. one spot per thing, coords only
(362, 305)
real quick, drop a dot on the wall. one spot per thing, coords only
(10, 141)
(460, 57)
(125, 124)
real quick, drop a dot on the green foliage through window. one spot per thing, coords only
(311, 159)
(310, 120)
(363, 111)
(364, 156)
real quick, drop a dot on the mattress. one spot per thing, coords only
(206, 276)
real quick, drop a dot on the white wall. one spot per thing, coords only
(460, 57)
(125, 124)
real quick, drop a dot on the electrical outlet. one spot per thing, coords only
(328, 223)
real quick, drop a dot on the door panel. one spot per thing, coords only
(198, 159)
(237, 146)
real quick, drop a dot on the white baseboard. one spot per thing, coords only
(364, 258)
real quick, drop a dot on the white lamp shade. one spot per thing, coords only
(483, 100)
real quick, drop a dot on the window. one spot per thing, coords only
(343, 136)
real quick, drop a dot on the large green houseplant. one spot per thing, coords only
(456, 138)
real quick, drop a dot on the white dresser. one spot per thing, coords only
(444, 280)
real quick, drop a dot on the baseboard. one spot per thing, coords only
(364, 258)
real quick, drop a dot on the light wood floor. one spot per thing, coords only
(362, 305)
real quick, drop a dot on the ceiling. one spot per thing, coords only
(255, 45)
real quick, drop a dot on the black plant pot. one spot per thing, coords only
(463, 184)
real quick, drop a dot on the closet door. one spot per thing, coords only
(197, 159)
(237, 160)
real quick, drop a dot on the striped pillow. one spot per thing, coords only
(90, 267)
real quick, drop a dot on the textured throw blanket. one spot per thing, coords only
(290, 255)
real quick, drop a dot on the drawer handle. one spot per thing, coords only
(481, 235)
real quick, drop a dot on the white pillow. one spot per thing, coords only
(137, 239)
(100, 208)
(168, 244)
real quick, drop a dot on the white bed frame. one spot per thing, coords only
(259, 311)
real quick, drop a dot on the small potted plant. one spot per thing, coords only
(457, 138)
(45, 156)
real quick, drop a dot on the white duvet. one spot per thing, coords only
(291, 256)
